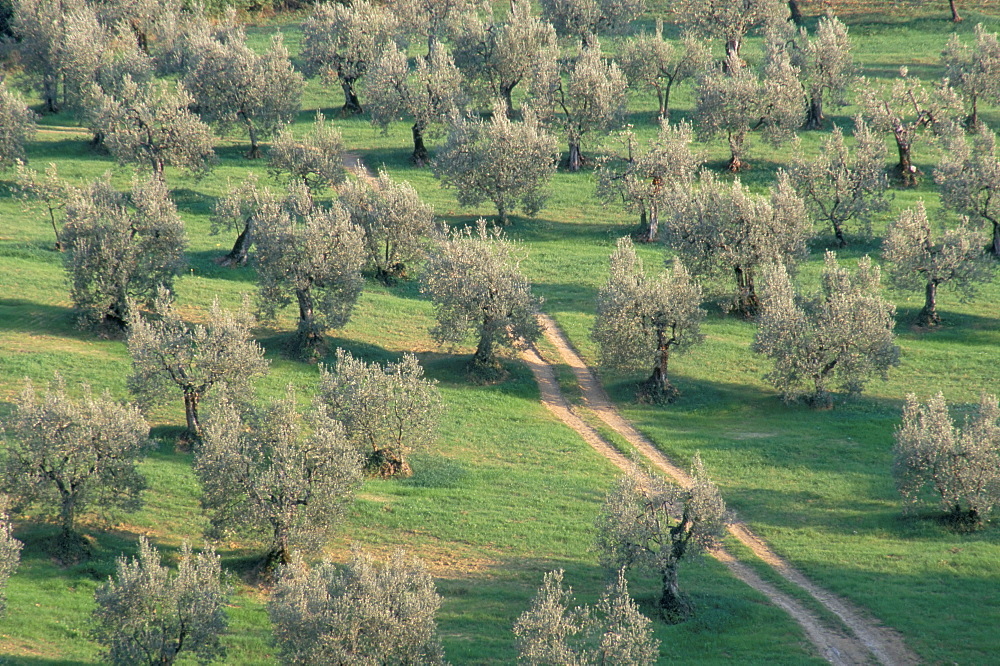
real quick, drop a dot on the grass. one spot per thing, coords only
(509, 493)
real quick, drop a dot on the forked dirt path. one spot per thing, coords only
(866, 641)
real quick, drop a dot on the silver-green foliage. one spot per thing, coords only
(839, 336)
(475, 282)
(10, 555)
(613, 633)
(939, 464)
(916, 258)
(826, 66)
(147, 616)
(317, 159)
(584, 19)
(969, 176)
(650, 60)
(388, 412)
(507, 162)
(168, 355)
(362, 614)
(974, 69)
(272, 473)
(730, 20)
(652, 525)
(49, 190)
(641, 320)
(17, 126)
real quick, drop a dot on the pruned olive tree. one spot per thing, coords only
(10, 555)
(388, 412)
(969, 176)
(17, 127)
(954, 469)
(271, 473)
(650, 60)
(75, 455)
(233, 85)
(120, 246)
(651, 525)
(644, 174)
(641, 320)
(721, 229)
(730, 20)
(431, 20)
(366, 612)
(826, 67)
(842, 335)
(917, 258)
(613, 632)
(396, 222)
(83, 41)
(168, 355)
(585, 19)
(430, 93)
(839, 190)
(341, 42)
(506, 162)
(313, 256)
(317, 159)
(146, 615)
(974, 69)
(49, 190)
(475, 282)
(239, 210)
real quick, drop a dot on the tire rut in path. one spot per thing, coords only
(867, 640)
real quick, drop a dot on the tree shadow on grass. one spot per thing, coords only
(955, 327)
(206, 264)
(30, 317)
(193, 202)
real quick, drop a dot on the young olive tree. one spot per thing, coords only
(841, 335)
(476, 285)
(314, 256)
(957, 469)
(826, 67)
(120, 247)
(10, 555)
(916, 259)
(614, 632)
(642, 177)
(430, 93)
(641, 320)
(48, 190)
(341, 42)
(397, 224)
(74, 454)
(317, 159)
(233, 85)
(648, 524)
(366, 612)
(722, 229)
(239, 210)
(838, 190)
(169, 354)
(652, 61)
(730, 20)
(585, 19)
(507, 162)
(147, 616)
(974, 70)
(969, 177)
(17, 127)
(433, 21)
(272, 473)
(735, 101)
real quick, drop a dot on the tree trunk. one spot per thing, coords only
(50, 94)
(191, 400)
(954, 12)
(821, 398)
(747, 302)
(575, 160)
(254, 151)
(733, 47)
(654, 224)
(310, 338)
(838, 231)
(814, 115)
(736, 163)
(419, 150)
(55, 229)
(795, 12)
(662, 99)
(907, 171)
(241, 248)
(280, 553)
(995, 247)
(502, 217)
(972, 121)
(484, 366)
(351, 103)
(672, 606)
(658, 389)
(929, 315)
(67, 517)
(506, 93)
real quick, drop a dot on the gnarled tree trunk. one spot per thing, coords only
(928, 315)
(995, 247)
(420, 154)
(191, 400)
(795, 14)
(954, 12)
(575, 160)
(747, 303)
(309, 336)
(736, 162)
(814, 114)
(658, 389)
(907, 170)
(254, 151)
(351, 103)
(241, 248)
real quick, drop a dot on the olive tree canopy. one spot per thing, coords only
(969, 176)
(17, 126)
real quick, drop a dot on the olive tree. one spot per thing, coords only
(939, 464)
(75, 454)
(735, 101)
(239, 210)
(366, 612)
(969, 176)
(272, 473)
(313, 255)
(650, 60)
(641, 320)
(48, 190)
(433, 21)
(397, 224)
(585, 19)
(826, 67)
(614, 632)
(317, 159)
(145, 615)
(387, 412)
(233, 85)
(17, 127)
(651, 525)
(504, 161)
(721, 229)
(730, 20)
(10, 555)
(168, 354)
(430, 93)
(341, 42)
(476, 285)
(918, 258)
(974, 69)
(120, 246)
(842, 335)
(839, 190)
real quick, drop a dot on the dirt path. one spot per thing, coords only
(353, 162)
(868, 640)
